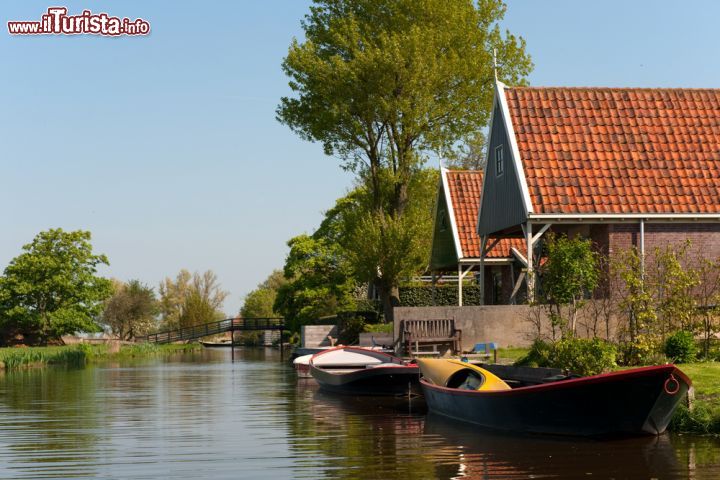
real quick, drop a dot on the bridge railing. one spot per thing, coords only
(214, 328)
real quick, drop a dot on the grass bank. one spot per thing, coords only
(704, 418)
(78, 355)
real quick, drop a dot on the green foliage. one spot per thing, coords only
(14, 358)
(415, 74)
(680, 347)
(259, 303)
(350, 330)
(675, 280)
(80, 354)
(318, 277)
(383, 247)
(384, 84)
(378, 328)
(424, 296)
(191, 300)
(578, 355)
(52, 288)
(131, 311)
(703, 419)
(569, 273)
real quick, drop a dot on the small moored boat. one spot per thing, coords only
(302, 366)
(639, 401)
(222, 344)
(361, 371)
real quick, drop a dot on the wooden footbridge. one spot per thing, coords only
(221, 326)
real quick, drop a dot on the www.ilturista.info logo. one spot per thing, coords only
(57, 22)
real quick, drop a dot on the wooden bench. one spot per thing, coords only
(430, 332)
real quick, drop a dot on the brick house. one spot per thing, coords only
(456, 243)
(622, 166)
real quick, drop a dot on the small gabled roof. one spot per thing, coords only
(463, 197)
(618, 150)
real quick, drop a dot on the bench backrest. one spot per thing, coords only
(434, 328)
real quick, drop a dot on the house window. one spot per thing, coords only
(499, 165)
(443, 221)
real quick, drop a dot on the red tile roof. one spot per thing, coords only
(464, 192)
(619, 150)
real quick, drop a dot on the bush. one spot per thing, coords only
(422, 296)
(680, 347)
(578, 355)
(379, 328)
(350, 330)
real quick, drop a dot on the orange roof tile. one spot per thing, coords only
(464, 192)
(618, 150)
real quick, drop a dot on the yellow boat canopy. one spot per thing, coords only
(456, 374)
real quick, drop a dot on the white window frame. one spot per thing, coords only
(499, 162)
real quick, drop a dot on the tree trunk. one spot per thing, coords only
(390, 296)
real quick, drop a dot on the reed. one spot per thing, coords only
(80, 355)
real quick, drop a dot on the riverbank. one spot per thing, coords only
(704, 417)
(81, 354)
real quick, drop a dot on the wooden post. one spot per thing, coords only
(232, 344)
(530, 280)
(282, 350)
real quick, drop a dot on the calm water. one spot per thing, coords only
(201, 416)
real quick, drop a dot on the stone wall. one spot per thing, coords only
(316, 335)
(507, 325)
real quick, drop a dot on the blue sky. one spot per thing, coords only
(167, 149)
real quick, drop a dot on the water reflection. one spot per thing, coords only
(200, 415)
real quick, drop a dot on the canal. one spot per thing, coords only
(199, 415)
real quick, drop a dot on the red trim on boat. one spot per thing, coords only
(602, 378)
(358, 349)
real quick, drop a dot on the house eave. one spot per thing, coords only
(625, 218)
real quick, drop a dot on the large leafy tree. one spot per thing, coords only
(52, 288)
(383, 84)
(191, 299)
(132, 310)
(320, 280)
(260, 302)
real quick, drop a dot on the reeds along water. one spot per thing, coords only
(80, 354)
(77, 355)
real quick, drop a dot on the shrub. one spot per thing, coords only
(379, 328)
(680, 347)
(423, 296)
(578, 355)
(350, 330)
(538, 356)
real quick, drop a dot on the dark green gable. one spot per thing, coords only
(444, 255)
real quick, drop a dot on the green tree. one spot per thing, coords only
(52, 289)
(569, 274)
(191, 299)
(132, 310)
(319, 280)
(676, 282)
(383, 84)
(259, 303)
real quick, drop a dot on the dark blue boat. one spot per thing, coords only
(640, 401)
